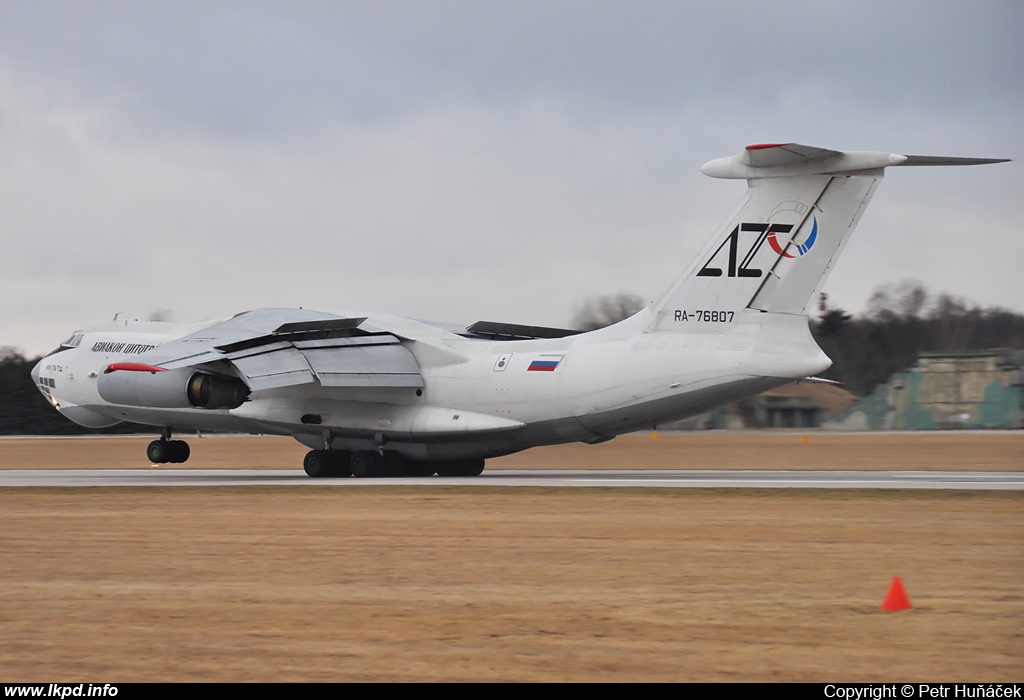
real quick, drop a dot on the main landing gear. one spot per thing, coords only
(368, 463)
(165, 450)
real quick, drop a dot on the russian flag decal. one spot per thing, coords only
(545, 363)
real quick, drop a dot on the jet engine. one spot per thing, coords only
(181, 388)
(210, 391)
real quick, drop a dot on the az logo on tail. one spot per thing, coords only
(802, 248)
(765, 232)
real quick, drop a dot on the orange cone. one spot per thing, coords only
(896, 599)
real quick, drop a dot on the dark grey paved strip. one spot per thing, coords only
(619, 479)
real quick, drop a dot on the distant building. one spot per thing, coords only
(796, 405)
(942, 391)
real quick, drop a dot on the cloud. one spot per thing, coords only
(461, 161)
(449, 214)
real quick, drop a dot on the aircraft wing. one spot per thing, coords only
(274, 348)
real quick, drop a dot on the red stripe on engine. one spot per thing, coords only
(132, 367)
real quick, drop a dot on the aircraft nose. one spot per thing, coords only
(35, 373)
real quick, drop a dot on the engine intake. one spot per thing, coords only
(208, 391)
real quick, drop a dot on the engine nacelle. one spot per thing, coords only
(178, 388)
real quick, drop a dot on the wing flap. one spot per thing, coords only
(275, 369)
(387, 339)
(382, 364)
(376, 365)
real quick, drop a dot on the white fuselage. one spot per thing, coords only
(479, 397)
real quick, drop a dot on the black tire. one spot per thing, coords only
(365, 464)
(338, 463)
(472, 467)
(158, 452)
(395, 464)
(179, 451)
(317, 464)
(451, 467)
(461, 467)
(417, 468)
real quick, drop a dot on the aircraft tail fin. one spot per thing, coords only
(776, 251)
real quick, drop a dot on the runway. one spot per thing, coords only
(159, 477)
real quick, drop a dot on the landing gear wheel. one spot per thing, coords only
(326, 463)
(163, 451)
(366, 463)
(472, 467)
(415, 468)
(449, 468)
(339, 461)
(395, 464)
(461, 467)
(179, 450)
(317, 463)
(158, 451)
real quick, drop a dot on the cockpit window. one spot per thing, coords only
(74, 341)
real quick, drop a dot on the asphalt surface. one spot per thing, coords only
(165, 477)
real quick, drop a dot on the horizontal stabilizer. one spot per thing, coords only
(768, 160)
(764, 155)
(776, 251)
(819, 380)
(947, 160)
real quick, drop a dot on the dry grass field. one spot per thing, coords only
(432, 583)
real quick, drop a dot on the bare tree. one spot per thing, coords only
(902, 321)
(905, 299)
(601, 311)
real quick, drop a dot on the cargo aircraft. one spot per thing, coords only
(376, 395)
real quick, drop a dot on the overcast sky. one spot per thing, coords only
(461, 161)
